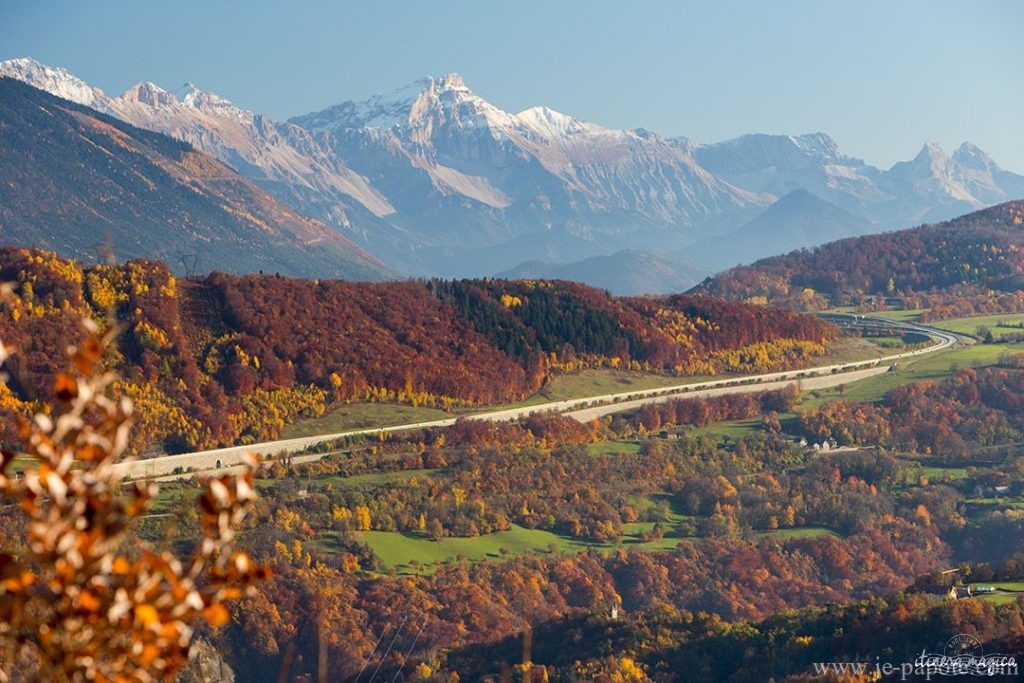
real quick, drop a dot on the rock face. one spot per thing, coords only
(463, 173)
(780, 164)
(76, 181)
(207, 666)
(436, 180)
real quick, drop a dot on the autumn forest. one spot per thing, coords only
(225, 359)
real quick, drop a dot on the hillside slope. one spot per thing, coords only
(76, 181)
(977, 255)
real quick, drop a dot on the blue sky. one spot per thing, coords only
(880, 77)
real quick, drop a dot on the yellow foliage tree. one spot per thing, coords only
(363, 518)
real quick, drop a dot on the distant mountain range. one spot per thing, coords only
(627, 272)
(797, 220)
(80, 182)
(436, 180)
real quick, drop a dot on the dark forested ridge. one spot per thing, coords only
(672, 645)
(225, 358)
(977, 258)
(76, 180)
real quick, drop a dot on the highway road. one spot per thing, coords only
(583, 409)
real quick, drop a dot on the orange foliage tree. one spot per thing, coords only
(84, 599)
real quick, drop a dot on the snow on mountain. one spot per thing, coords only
(54, 80)
(75, 178)
(276, 154)
(933, 172)
(540, 168)
(438, 180)
(548, 124)
(379, 111)
(779, 164)
(286, 160)
(984, 178)
(145, 94)
(932, 186)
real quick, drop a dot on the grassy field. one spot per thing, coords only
(361, 416)
(409, 553)
(970, 325)
(1000, 598)
(929, 367)
(1015, 589)
(376, 479)
(935, 474)
(990, 504)
(170, 494)
(613, 447)
(803, 532)
(907, 316)
(850, 350)
(415, 553)
(599, 381)
(1017, 586)
(732, 430)
(889, 343)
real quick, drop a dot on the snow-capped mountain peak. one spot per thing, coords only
(452, 81)
(817, 144)
(932, 162)
(447, 97)
(759, 145)
(549, 123)
(204, 100)
(984, 178)
(188, 96)
(148, 94)
(283, 157)
(54, 80)
(933, 175)
(429, 104)
(931, 150)
(971, 156)
(378, 111)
